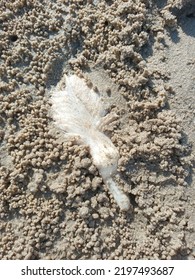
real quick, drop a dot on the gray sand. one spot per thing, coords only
(139, 55)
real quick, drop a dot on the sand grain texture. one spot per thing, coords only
(139, 56)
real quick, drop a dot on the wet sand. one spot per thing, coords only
(139, 56)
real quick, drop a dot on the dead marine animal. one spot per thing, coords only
(78, 110)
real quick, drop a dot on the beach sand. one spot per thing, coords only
(139, 56)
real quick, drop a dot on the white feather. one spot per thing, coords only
(79, 111)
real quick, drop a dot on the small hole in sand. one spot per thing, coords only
(13, 38)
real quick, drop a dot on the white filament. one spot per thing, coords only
(121, 198)
(78, 111)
